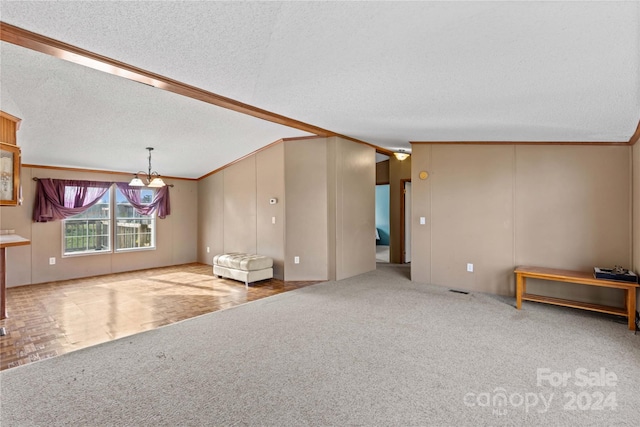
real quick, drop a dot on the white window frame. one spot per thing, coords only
(152, 218)
(88, 251)
(112, 233)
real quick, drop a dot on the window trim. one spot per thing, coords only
(112, 231)
(153, 217)
(88, 252)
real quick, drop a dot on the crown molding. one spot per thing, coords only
(30, 40)
(634, 138)
(58, 49)
(70, 169)
(586, 143)
(12, 118)
(636, 135)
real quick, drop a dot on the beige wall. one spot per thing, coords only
(175, 238)
(421, 194)
(498, 206)
(325, 212)
(398, 170)
(382, 172)
(235, 214)
(18, 218)
(562, 218)
(240, 207)
(270, 184)
(306, 209)
(472, 216)
(636, 207)
(467, 202)
(210, 217)
(352, 208)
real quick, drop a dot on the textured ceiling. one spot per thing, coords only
(383, 72)
(76, 116)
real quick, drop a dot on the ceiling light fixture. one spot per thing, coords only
(152, 179)
(401, 155)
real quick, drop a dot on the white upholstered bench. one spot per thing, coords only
(244, 267)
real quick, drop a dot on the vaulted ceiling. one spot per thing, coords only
(386, 73)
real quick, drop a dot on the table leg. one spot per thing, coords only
(631, 308)
(521, 285)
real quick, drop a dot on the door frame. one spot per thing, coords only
(402, 220)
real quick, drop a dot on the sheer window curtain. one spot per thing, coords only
(160, 202)
(58, 199)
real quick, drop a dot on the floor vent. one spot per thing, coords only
(459, 292)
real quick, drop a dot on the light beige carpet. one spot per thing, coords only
(382, 253)
(376, 349)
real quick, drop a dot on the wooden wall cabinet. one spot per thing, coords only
(10, 161)
(9, 174)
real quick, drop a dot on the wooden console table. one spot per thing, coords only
(579, 277)
(6, 241)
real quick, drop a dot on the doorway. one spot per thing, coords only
(383, 226)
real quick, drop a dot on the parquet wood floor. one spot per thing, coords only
(51, 319)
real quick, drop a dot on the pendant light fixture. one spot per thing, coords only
(152, 179)
(401, 154)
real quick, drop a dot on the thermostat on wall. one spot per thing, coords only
(273, 201)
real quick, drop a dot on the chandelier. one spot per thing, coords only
(401, 154)
(152, 179)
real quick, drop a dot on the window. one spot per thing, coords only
(90, 231)
(133, 230)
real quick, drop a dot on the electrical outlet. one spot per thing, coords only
(52, 261)
(273, 220)
(470, 268)
(208, 249)
(296, 260)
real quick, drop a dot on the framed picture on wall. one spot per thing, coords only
(9, 174)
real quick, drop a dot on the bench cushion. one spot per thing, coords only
(242, 261)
